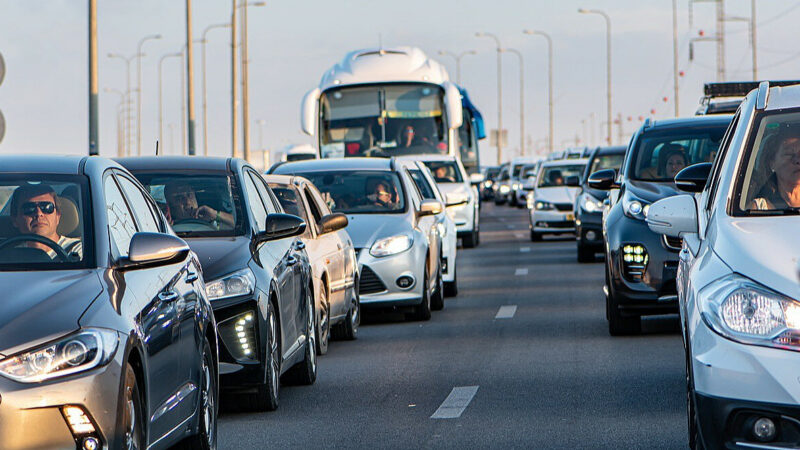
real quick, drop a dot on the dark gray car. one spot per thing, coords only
(108, 340)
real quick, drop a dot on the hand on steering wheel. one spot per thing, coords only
(60, 253)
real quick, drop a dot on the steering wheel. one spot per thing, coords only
(192, 221)
(60, 253)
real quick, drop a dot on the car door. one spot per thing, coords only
(156, 293)
(426, 225)
(332, 249)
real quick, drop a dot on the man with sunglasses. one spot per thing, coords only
(34, 209)
(182, 205)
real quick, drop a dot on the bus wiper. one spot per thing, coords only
(774, 212)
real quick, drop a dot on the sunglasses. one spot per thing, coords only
(29, 208)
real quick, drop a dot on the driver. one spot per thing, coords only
(35, 211)
(442, 176)
(407, 136)
(382, 195)
(182, 203)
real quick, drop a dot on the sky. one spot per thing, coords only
(44, 96)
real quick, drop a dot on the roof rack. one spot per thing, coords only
(739, 88)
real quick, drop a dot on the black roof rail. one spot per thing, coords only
(739, 88)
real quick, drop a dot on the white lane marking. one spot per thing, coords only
(510, 227)
(521, 271)
(454, 405)
(518, 235)
(524, 249)
(506, 312)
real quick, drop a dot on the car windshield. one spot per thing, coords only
(445, 171)
(602, 162)
(771, 181)
(360, 191)
(659, 156)
(388, 120)
(197, 204)
(491, 174)
(563, 175)
(45, 222)
(528, 170)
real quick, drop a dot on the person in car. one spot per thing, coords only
(671, 160)
(407, 134)
(781, 189)
(442, 175)
(35, 210)
(182, 204)
(555, 178)
(382, 195)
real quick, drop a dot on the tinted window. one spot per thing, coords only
(255, 203)
(445, 171)
(121, 225)
(289, 199)
(558, 175)
(602, 162)
(360, 191)
(140, 205)
(422, 184)
(659, 156)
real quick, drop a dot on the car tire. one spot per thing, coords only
(132, 411)
(348, 330)
(323, 328)
(470, 240)
(423, 310)
(267, 394)
(619, 325)
(451, 287)
(585, 254)
(305, 372)
(208, 408)
(535, 237)
(437, 299)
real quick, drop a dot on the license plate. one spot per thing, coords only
(570, 216)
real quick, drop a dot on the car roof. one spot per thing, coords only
(204, 163)
(317, 165)
(781, 97)
(566, 162)
(426, 158)
(61, 164)
(615, 150)
(683, 122)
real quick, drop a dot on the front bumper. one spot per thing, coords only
(378, 285)
(237, 369)
(589, 229)
(31, 417)
(552, 221)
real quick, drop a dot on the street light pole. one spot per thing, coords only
(128, 117)
(93, 115)
(160, 96)
(190, 76)
(521, 99)
(119, 122)
(205, 90)
(675, 57)
(608, 64)
(139, 56)
(234, 86)
(753, 38)
(499, 95)
(549, 81)
(457, 57)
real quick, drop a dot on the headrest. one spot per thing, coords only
(69, 216)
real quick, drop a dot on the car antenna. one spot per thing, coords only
(156, 147)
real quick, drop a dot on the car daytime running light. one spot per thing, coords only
(504, 188)
(544, 206)
(235, 284)
(634, 260)
(590, 204)
(77, 420)
(391, 245)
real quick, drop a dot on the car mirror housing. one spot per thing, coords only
(430, 207)
(603, 180)
(332, 222)
(281, 226)
(456, 198)
(693, 178)
(476, 178)
(147, 249)
(673, 216)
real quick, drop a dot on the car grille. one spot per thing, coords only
(564, 206)
(673, 243)
(369, 282)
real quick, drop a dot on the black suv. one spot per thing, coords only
(641, 265)
(590, 202)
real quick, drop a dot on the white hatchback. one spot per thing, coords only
(737, 278)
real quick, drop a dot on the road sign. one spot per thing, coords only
(493, 138)
(2, 126)
(2, 68)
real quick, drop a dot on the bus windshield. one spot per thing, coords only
(383, 120)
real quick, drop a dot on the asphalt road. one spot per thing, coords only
(547, 376)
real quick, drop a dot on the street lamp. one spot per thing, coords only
(120, 131)
(608, 63)
(499, 94)
(549, 80)
(521, 99)
(457, 57)
(205, 105)
(139, 55)
(127, 60)
(160, 95)
(246, 81)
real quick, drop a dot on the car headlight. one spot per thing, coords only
(235, 284)
(744, 311)
(529, 199)
(543, 205)
(515, 186)
(504, 188)
(391, 245)
(487, 183)
(635, 208)
(591, 204)
(78, 352)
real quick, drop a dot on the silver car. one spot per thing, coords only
(394, 230)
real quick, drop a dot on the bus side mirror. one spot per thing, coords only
(452, 101)
(308, 112)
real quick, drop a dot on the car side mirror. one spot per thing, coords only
(148, 249)
(572, 180)
(693, 178)
(475, 179)
(430, 207)
(673, 216)
(281, 226)
(603, 180)
(332, 222)
(456, 198)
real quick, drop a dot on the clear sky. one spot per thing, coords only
(44, 43)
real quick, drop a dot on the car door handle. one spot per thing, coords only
(290, 261)
(168, 296)
(299, 245)
(191, 277)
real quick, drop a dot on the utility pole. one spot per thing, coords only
(753, 38)
(608, 65)
(93, 125)
(549, 82)
(676, 97)
(521, 99)
(620, 131)
(499, 96)
(161, 94)
(139, 56)
(190, 75)
(245, 87)
(720, 40)
(234, 89)
(205, 88)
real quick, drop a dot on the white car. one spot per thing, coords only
(550, 204)
(737, 278)
(527, 183)
(459, 191)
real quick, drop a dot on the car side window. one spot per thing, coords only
(142, 209)
(270, 202)
(312, 205)
(121, 226)
(254, 202)
(713, 178)
(416, 197)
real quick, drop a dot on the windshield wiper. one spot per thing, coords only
(773, 212)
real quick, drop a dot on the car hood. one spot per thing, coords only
(764, 249)
(557, 194)
(221, 256)
(650, 191)
(365, 229)
(42, 305)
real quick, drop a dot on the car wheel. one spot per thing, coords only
(535, 237)
(305, 372)
(695, 442)
(451, 287)
(585, 255)
(437, 299)
(206, 437)
(423, 311)
(323, 322)
(353, 320)
(266, 398)
(619, 325)
(132, 417)
(470, 240)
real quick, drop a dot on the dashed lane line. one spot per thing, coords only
(521, 271)
(455, 403)
(506, 312)
(524, 249)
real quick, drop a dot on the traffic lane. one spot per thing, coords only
(548, 377)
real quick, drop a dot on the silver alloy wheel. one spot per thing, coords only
(311, 333)
(273, 346)
(208, 404)
(130, 444)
